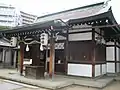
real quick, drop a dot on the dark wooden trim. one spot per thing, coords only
(87, 62)
(101, 69)
(93, 70)
(93, 35)
(80, 32)
(115, 57)
(113, 61)
(112, 46)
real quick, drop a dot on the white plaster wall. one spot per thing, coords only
(110, 43)
(118, 54)
(97, 70)
(110, 67)
(82, 28)
(79, 70)
(80, 36)
(118, 67)
(104, 69)
(110, 53)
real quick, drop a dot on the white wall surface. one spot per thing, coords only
(80, 70)
(97, 70)
(110, 43)
(110, 67)
(104, 68)
(80, 36)
(110, 53)
(118, 54)
(118, 67)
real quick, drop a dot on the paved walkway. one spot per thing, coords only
(58, 81)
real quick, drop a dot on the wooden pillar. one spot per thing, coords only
(93, 55)
(21, 57)
(52, 56)
(67, 50)
(93, 63)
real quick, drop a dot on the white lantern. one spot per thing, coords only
(44, 38)
(27, 48)
(41, 47)
(13, 41)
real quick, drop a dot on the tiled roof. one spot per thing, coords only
(80, 12)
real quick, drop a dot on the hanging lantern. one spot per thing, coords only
(44, 39)
(41, 47)
(27, 48)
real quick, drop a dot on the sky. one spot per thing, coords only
(43, 7)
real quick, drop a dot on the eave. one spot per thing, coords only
(106, 15)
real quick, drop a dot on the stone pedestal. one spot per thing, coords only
(35, 72)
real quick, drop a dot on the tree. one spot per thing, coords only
(4, 27)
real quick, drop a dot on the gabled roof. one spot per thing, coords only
(79, 12)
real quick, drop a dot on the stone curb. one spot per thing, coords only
(65, 84)
(41, 86)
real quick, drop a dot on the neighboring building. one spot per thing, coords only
(27, 18)
(8, 16)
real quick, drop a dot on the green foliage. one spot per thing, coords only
(4, 27)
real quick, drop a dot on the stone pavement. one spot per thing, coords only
(11, 85)
(59, 81)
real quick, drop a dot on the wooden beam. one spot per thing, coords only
(21, 57)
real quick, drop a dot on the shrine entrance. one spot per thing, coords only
(44, 45)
